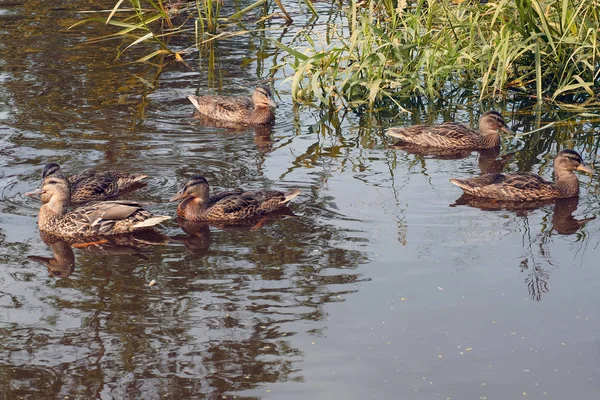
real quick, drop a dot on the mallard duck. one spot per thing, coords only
(93, 185)
(523, 186)
(452, 135)
(95, 219)
(234, 205)
(243, 110)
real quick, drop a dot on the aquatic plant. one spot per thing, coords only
(545, 49)
(155, 21)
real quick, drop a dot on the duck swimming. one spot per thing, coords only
(233, 205)
(94, 185)
(95, 219)
(242, 110)
(454, 136)
(524, 186)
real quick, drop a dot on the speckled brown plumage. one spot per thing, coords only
(94, 185)
(525, 186)
(234, 205)
(452, 135)
(95, 219)
(241, 110)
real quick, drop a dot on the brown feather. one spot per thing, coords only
(100, 218)
(525, 186)
(452, 135)
(227, 206)
(241, 110)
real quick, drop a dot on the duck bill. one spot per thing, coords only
(586, 169)
(179, 196)
(36, 192)
(272, 104)
(507, 130)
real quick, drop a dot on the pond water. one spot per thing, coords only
(379, 285)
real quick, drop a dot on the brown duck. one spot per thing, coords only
(523, 186)
(454, 136)
(233, 205)
(96, 219)
(94, 185)
(242, 110)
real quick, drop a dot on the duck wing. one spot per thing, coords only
(448, 134)
(229, 108)
(91, 187)
(216, 197)
(517, 187)
(108, 217)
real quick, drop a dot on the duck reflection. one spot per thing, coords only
(197, 239)
(563, 222)
(62, 262)
(485, 204)
(490, 160)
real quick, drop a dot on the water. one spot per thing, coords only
(378, 287)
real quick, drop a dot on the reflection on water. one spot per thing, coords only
(563, 222)
(489, 160)
(373, 288)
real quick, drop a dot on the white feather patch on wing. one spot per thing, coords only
(151, 221)
(97, 221)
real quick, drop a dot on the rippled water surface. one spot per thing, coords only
(380, 285)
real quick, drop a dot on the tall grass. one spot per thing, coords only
(546, 49)
(155, 21)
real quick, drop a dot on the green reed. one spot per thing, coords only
(545, 49)
(155, 21)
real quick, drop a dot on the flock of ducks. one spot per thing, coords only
(93, 215)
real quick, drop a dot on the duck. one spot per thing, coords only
(229, 206)
(453, 135)
(101, 218)
(525, 186)
(92, 185)
(242, 110)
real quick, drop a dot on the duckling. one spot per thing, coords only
(241, 110)
(454, 136)
(93, 185)
(236, 205)
(95, 219)
(524, 186)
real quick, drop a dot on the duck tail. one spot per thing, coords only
(138, 177)
(396, 132)
(290, 195)
(464, 184)
(194, 101)
(157, 219)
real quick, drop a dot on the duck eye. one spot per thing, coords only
(52, 182)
